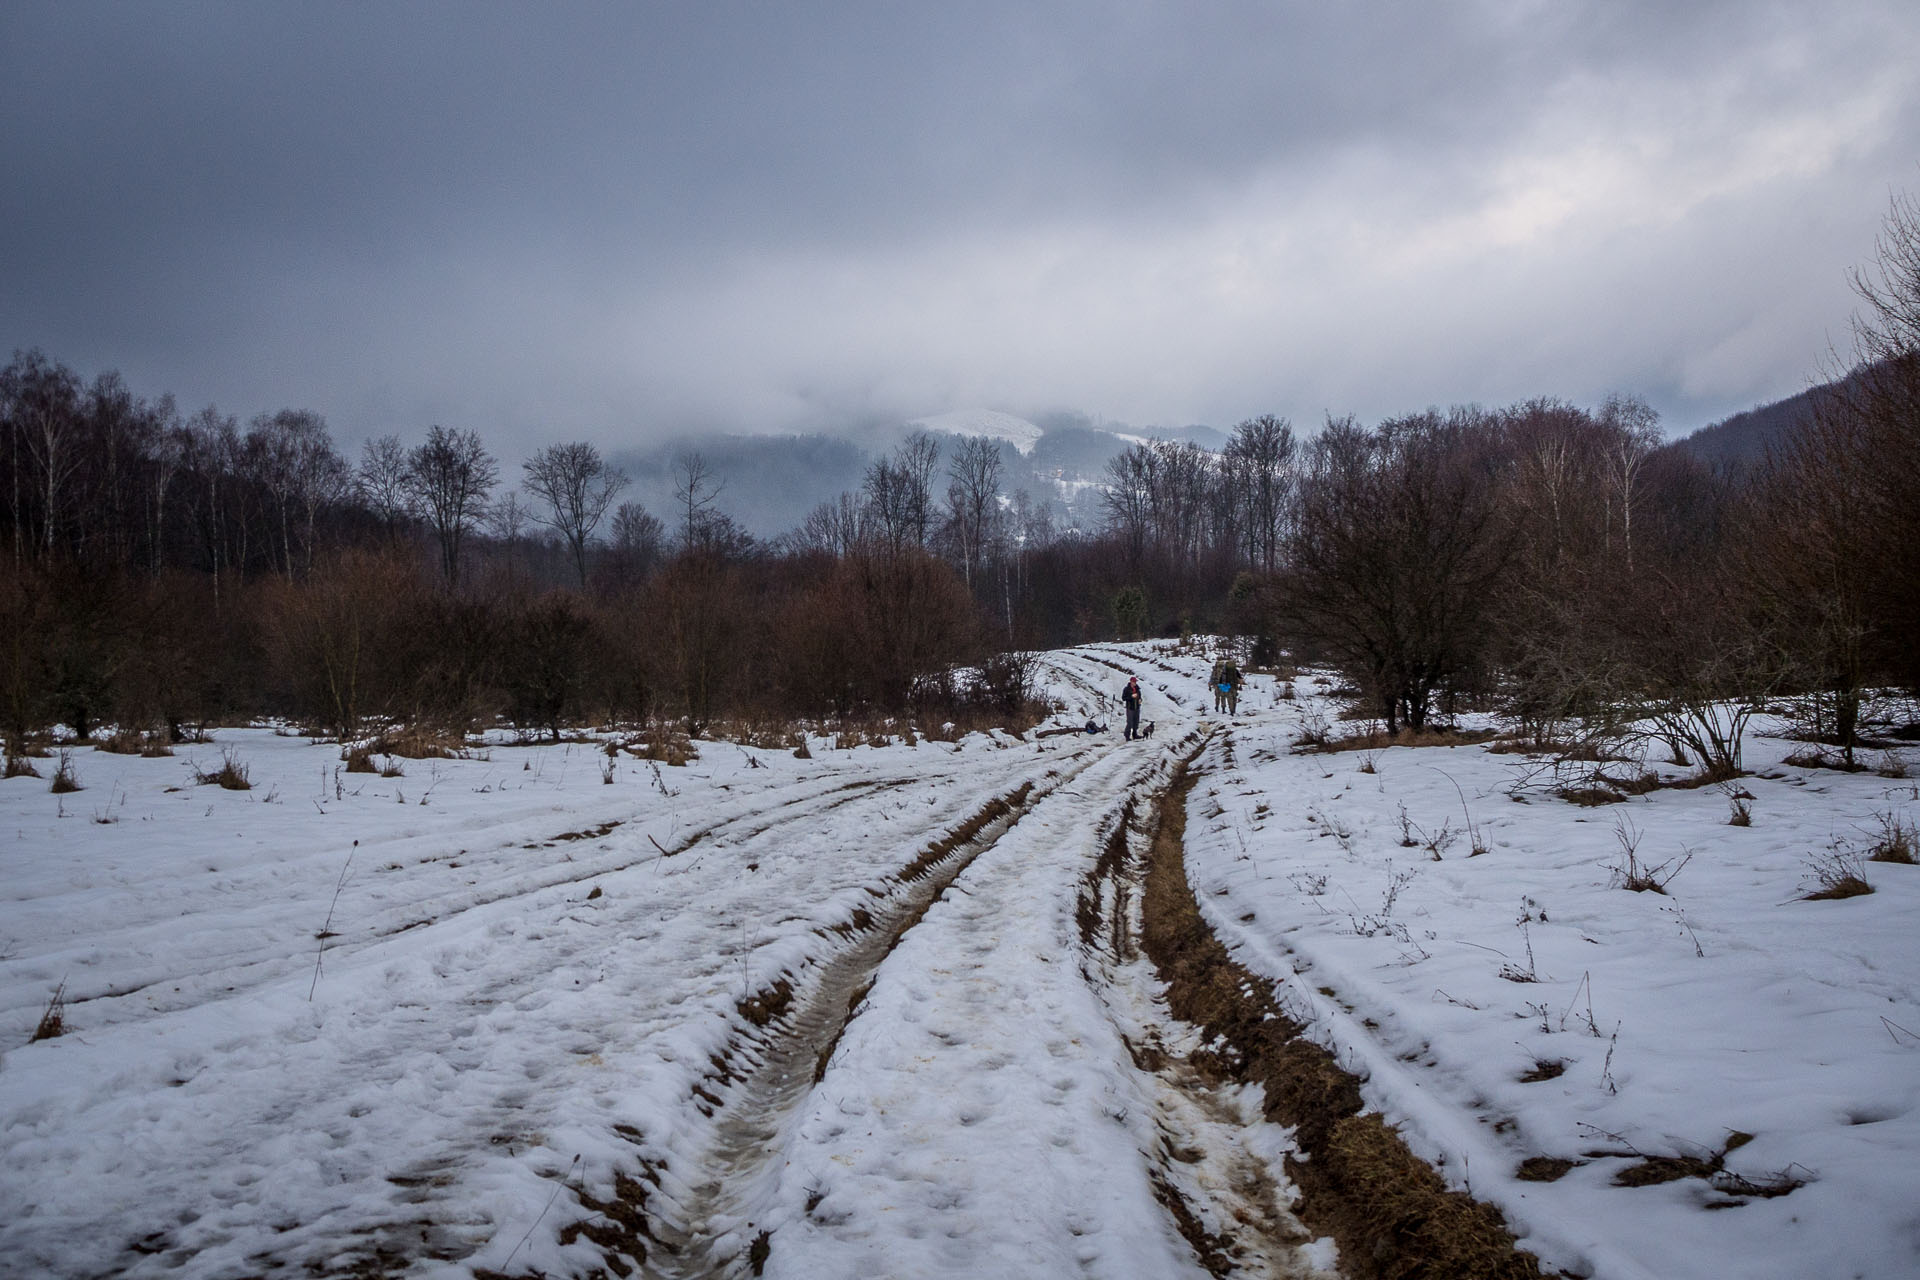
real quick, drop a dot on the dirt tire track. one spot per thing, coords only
(1221, 1197)
(1391, 1214)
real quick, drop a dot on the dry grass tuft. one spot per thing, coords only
(232, 775)
(1839, 870)
(19, 767)
(1740, 807)
(53, 1022)
(765, 1005)
(1897, 841)
(1654, 1170)
(1544, 1169)
(123, 742)
(359, 759)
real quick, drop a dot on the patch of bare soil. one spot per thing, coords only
(1391, 1214)
(1223, 1198)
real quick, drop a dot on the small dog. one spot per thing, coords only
(1148, 731)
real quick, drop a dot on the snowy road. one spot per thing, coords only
(810, 1018)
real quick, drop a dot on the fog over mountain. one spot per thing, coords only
(638, 223)
(769, 483)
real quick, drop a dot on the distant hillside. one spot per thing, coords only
(771, 482)
(1744, 439)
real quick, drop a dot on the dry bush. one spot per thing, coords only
(1820, 758)
(333, 641)
(420, 742)
(122, 742)
(64, 778)
(359, 759)
(230, 776)
(1740, 804)
(663, 744)
(1633, 874)
(53, 1021)
(1839, 870)
(18, 766)
(1897, 841)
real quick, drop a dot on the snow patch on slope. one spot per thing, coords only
(1018, 432)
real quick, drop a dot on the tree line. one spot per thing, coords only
(163, 570)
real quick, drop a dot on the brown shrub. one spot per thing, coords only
(64, 778)
(230, 776)
(420, 742)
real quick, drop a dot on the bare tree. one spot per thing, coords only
(637, 541)
(898, 492)
(297, 468)
(1260, 456)
(448, 479)
(381, 481)
(1128, 500)
(575, 486)
(1885, 394)
(973, 499)
(210, 454)
(695, 489)
(1635, 431)
(41, 399)
(834, 527)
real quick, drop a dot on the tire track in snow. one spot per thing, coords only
(701, 1233)
(1214, 1186)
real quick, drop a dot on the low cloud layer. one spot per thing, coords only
(628, 222)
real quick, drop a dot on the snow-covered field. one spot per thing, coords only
(560, 1019)
(1664, 1024)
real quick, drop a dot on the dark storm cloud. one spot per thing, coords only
(626, 220)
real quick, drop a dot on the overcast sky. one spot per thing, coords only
(622, 222)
